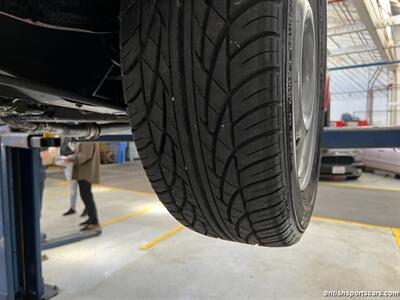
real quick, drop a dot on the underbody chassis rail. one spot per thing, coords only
(58, 97)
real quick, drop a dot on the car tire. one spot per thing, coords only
(353, 177)
(226, 102)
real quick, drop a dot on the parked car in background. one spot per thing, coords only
(345, 163)
(382, 159)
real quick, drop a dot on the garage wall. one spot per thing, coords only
(349, 94)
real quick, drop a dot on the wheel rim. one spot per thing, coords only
(305, 96)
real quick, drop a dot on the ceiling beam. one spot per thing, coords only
(369, 21)
(391, 21)
(341, 30)
(351, 50)
(358, 26)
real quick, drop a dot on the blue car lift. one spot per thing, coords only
(333, 138)
(20, 238)
(364, 137)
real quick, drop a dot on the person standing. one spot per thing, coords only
(67, 149)
(86, 171)
(42, 178)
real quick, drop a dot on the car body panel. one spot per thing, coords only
(382, 159)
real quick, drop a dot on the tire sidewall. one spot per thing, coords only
(302, 202)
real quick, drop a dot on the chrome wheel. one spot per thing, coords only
(305, 97)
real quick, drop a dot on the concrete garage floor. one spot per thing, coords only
(333, 255)
(373, 199)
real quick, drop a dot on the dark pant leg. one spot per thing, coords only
(85, 189)
(82, 193)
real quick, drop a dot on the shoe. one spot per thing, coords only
(84, 213)
(43, 236)
(71, 211)
(87, 222)
(90, 227)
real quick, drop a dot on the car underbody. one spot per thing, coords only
(225, 99)
(60, 63)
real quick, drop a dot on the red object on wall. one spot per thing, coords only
(340, 124)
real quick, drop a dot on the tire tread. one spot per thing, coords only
(208, 133)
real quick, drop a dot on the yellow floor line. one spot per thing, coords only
(396, 234)
(161, 238)
(359, 186)
(128, 216)
(59, 183)
(338, 221)
(109, 188)
(395, 231)
(56, 194)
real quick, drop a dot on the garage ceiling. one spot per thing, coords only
(361, 32)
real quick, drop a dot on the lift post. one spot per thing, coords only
(21, 204)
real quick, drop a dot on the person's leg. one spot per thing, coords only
(85, 189)
(42, 179)
(82, 192)
(73, 189)
(66, 173)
